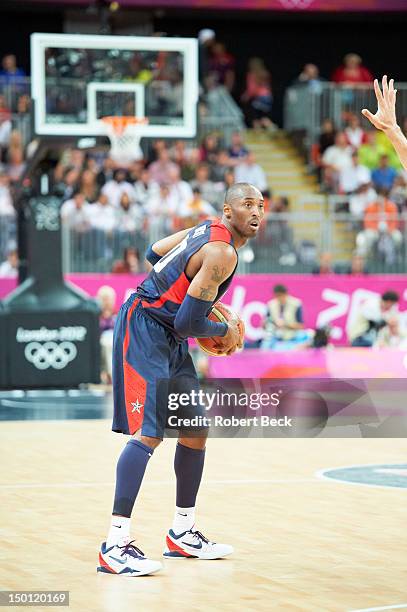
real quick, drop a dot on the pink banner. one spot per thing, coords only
(269, 5)
(312, 363)
(330, 299)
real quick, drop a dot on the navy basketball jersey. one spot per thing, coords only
(165, 287)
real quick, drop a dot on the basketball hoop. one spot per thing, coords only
(124, 134)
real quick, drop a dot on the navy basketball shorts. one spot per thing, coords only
(148, 363)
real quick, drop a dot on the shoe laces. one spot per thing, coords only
(199, 536)
(130, 549)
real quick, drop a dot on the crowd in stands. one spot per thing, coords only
(362, 168)
(178, 183)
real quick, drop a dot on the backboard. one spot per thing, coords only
(77, 79)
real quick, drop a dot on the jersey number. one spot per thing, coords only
(160, 265)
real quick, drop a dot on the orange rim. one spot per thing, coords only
(120, 123)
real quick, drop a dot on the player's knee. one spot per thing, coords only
(151, 442)
(195, 442)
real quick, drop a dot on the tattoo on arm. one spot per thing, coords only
(207, 293)
(218, 274)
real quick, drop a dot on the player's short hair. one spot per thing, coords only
(238, 191)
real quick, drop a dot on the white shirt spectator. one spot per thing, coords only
(103, 215)
(128, 220)
(5, 132)
(7, 270)
(145, 190)
(6, 203)
(76, 213)
(250, 172)
(114, 191)
(354, 136)
(338, 157)
(181, 193)
(350, 179)
(358, 202)
(163, 203)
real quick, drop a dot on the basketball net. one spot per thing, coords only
(124, 134)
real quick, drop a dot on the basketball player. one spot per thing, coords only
(192, 270)
(385, 117)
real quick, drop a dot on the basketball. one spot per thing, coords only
(221, 314)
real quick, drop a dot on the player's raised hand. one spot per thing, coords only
(385, 117)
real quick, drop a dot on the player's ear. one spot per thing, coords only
(227, 210)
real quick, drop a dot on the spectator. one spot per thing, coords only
(196, 210)
(325, 264)
(107, 171)
(130, 264)
(351, 178)
(354, 133)
(222, 66)
(69, 183)
(106, 296)
(327, 136)
(392, 335)
(161, 209)
(357, 266)
(398, 193)
(361, 199)
(222, 165)
(248, 171)
(144, 188)
(5, 128)
(209, 149)
(9, 268)
(180, 190)
(15, 164)
(103, 216)
(209, 190)
(88, 185)
(335, 159)
(284, 326)
(206, 38)
(352, 71)
(75, 213)
(115, 188)
(229, 178)
(182, 155)
(237, 150)
(383, 177)
(160, 169)
(310, 77)
(381, 217)
(257, 97)
(128, 215)
(371, 316)
(6, 202)
(10, 74)
(369, 151)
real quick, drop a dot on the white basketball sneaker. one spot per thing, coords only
(192, 544)
(127, 560)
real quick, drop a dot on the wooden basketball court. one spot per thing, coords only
(301, 543)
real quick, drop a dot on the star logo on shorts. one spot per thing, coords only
(136, 406)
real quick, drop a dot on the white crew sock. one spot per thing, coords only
(184, 519)
(119, 532)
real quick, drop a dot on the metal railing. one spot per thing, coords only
(286, 243)
(306, 107)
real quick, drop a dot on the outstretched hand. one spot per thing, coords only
(385, 117)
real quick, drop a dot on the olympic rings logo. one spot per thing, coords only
(50, 354)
